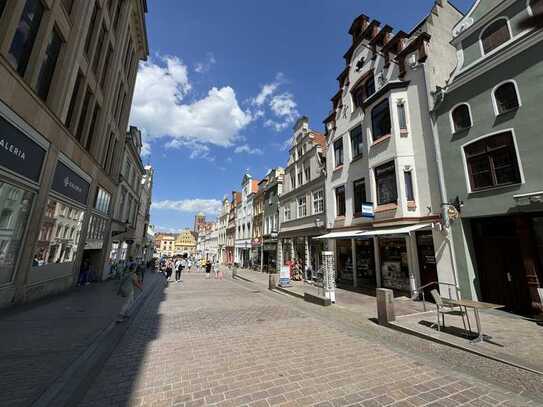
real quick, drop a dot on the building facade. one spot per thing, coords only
(383, 206)
(67, 73)
(489, 123)
(273, 188)
(244, 221)
(165, 244)
(221, 229)
(231, 230)
(258, 225)
(185, 243)
(302, 203)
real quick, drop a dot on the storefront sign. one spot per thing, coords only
(68, 183)
(367, 210)
(284, 276)
(19, 153)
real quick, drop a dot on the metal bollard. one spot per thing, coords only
(385, 306)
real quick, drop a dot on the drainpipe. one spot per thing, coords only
(441, 176)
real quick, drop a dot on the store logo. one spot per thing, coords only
(70, 184)
(12, 149)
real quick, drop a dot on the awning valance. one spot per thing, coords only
(394, 231)
(348, 234)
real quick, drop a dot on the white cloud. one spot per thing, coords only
(159, 108)
(166, 229)
(208, 206)
(202, 67)
(246, 149)
(145, 149)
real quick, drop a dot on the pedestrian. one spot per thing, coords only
(220, 273)
(84, 273)
(126, 290)
(141, 270)
(189, 265)
(208, 269)
(169, 269)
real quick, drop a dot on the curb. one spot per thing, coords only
(292, 293)
(485, 355)
(71, 386)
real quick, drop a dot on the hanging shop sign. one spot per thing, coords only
(69, 184)
(19, 153)
(367, 210)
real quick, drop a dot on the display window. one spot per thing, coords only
(59, 234)
(344, 260)
(15, 206)
(394, 264)
(365, 261)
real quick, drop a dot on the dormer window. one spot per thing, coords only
(461, 118)
(495, 35)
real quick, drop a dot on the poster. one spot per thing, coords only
(284, 276)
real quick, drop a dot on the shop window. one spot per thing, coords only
(25, 35)
(365, 261)
(14, 214)
(340, 201)
(318, 202)
(338, 152)
(535, 5)
(408, 179)
(359, 193)
(356, 142)
(394, 264)
(495, 35)
(344, 255)
(492, 162)
(385, 180)
(461, 118)
(506, 98)
(380, 120)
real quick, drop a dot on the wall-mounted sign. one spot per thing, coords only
(19, 153)
(69, 184)
(367, 210)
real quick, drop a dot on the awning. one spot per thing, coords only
(394, 231)
(348, 234)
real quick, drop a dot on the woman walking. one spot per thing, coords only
(208, 269)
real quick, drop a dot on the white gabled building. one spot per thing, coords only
(381, 154)
(244, 219)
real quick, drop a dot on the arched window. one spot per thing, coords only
(495, 35)
(461, 118)
(536, 6)
(506, 98)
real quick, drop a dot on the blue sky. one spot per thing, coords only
(225, 81)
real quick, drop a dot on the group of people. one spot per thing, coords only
(178, 264)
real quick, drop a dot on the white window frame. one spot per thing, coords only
(286, 210)
(321, 199)
(451, 121)
(299, 206)
(495, 102)
(511, 37)
(465, 162)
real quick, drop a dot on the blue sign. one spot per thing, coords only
(367, 210)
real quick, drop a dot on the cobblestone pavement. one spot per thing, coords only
(225, 343)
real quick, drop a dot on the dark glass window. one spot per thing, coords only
(340, 201)
(73, 101)
(92, 28)
(380, 120)
(356, 141)
(408, 178)
(91, 135)
(369, 86)
(364, 91)
(83, 115)
(105, 70)
(2, 7)
(48, 65)
(359, 192)
(25, 35)
(495, 35)
(401, 117)
(385, 180)
(461, 118)
(506, 98)
(492, 162)
(98, 51)
(338, 152)
(535, 5)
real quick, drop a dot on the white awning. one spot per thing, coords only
(395, 231)
(348, 234)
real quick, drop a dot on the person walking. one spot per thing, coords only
(84, 273)
(177, 267)
(126, 290)
(208, 269)
(169, 269)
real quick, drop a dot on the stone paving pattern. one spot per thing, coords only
(224, 343)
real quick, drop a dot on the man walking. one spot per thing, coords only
(127, 290)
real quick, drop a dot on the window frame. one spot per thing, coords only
(483, 30)
(317, 200)
(409, 186)
(466, 168)
(375, 177)
(361, 144)
(300, 205)
(495, 101)
(386, 102)
(338, 215)
(454, 130)
(357, 211)
(336, 165)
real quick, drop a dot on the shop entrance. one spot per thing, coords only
(365, 263)
(427, 261)
(499, 263)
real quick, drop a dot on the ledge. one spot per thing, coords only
(385, 89)
(381, 140)
(386, 208)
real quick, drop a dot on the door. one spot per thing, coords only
(427, 261)
(500, 269)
